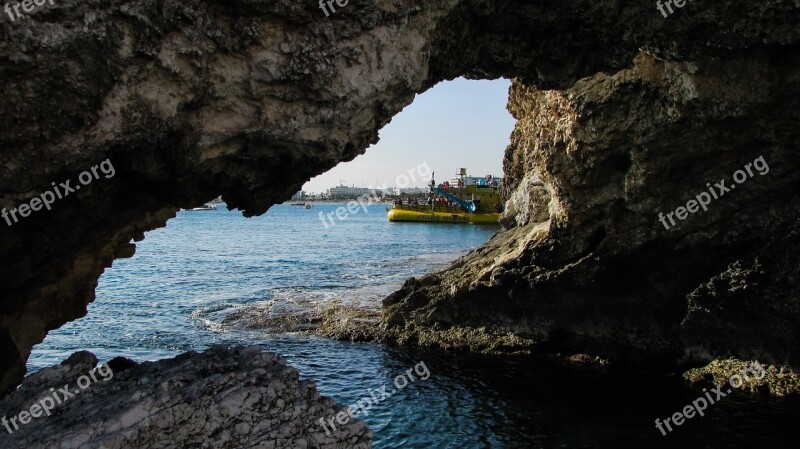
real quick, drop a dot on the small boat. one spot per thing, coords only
(207, 206)
(309, 205)
(301, 204)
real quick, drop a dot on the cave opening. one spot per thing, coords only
(251, 99)
(275, 280)
(575, 278)
(215, 276)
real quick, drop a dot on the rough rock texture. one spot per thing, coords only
(588, 266)
(222, 398)
(250, 98)
(777, 381)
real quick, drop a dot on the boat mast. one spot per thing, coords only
(432, 185)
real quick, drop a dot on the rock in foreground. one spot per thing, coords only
(222, 398)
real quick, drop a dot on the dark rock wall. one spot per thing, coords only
(249, 99)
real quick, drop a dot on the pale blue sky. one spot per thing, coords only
(459, 123)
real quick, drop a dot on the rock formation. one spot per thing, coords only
(222, 398)
(587, 265)
(250, 98)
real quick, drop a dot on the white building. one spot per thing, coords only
(408, 190)
(352, 192)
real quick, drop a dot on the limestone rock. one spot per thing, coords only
(588, 266)
(221, 398)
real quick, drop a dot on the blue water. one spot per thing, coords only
(176, 292)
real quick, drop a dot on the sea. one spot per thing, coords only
(210, 277)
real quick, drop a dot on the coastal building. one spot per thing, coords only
(408, 191)
(347, 192)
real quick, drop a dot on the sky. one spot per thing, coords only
(460, 123)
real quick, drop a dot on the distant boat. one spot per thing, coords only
(207, 206)
(298, 204)
(309, 205)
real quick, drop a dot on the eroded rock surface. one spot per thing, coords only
(222, 398)
(588, 265)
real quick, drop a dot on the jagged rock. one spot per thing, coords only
(600, 273)
(222, 398)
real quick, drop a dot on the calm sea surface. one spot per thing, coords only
(204, 267)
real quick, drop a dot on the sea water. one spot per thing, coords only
(186, 280)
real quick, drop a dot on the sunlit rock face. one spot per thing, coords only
(596, 259)
(249, 99)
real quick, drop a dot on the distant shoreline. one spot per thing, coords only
(336, 201)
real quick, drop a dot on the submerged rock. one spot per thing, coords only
(221, 398)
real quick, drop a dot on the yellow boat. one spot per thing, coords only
(478, 203)
(411, 215)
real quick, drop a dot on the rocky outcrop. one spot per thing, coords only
(596, 261)
(191, 99)
(222, 398)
